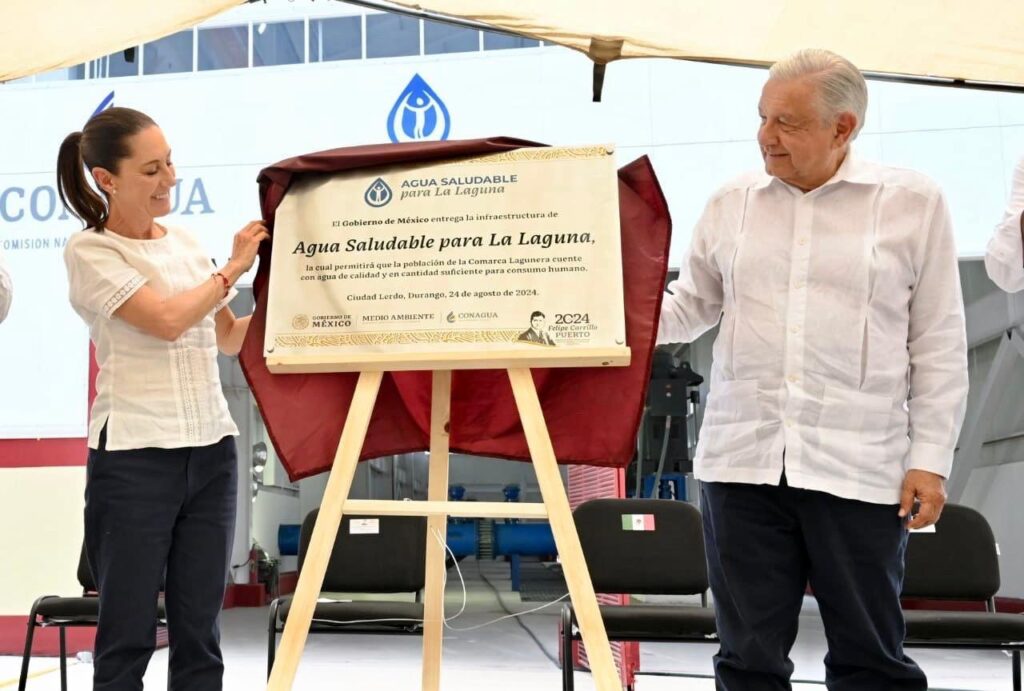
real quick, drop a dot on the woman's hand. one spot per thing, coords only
(245, 248)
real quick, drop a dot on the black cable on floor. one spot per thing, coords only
(524, 627)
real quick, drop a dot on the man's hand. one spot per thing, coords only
(927, 488)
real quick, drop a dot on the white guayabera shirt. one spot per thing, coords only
(842, 351)
(6, 290)
(1004, 259)
(149, 392)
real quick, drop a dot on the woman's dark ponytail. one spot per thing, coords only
(103, 143)
(74, 189)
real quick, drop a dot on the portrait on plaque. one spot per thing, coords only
(537, 333)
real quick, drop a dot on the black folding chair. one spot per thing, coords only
(665, 560)
(64, 612)
(959, 561)
(390, 557)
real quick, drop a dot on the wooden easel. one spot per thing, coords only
(437, 508)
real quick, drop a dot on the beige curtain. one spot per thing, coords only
(977, 40)
(42, 35)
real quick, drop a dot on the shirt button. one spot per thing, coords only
(793, 378)
(795, 329)
(802, 241)
(799, 285)
(789, 423)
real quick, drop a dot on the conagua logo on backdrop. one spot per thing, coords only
(419, 114)
(21, 203)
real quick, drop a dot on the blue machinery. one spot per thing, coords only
(463, 540)
(518, 540)
(512, 538)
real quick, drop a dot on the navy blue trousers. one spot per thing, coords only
(764, 544)
(158, 517)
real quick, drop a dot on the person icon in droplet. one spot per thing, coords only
(419, 104)
(378, 192)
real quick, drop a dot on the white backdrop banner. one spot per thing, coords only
(697, 123)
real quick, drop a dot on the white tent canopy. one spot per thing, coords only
(977, 41)
(981, 40)
(42, 35)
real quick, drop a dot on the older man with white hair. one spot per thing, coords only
(5, 289)
(838, 385)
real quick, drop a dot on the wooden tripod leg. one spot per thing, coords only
(437, 526)
(314, 566)
(581, 589)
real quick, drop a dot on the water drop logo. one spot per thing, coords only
(418, 115)
(378, 194)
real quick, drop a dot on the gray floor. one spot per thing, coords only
(499, 657)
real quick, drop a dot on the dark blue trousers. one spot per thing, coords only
(764, 544)
(152, 514)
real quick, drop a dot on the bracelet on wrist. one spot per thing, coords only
(218, 276)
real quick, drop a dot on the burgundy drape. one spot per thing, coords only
(592, 413)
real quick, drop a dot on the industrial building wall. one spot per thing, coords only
(405, 476)
(995, 485)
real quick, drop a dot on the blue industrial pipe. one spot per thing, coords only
(462, 539)
(288, 538)
(524, 539)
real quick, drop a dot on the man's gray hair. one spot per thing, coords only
(841, 86)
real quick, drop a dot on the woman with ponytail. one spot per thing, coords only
(161, 475)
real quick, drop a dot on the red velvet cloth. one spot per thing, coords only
(592, 413)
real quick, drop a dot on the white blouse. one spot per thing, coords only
(842, 338)
(149, 392)
(1004, 259)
